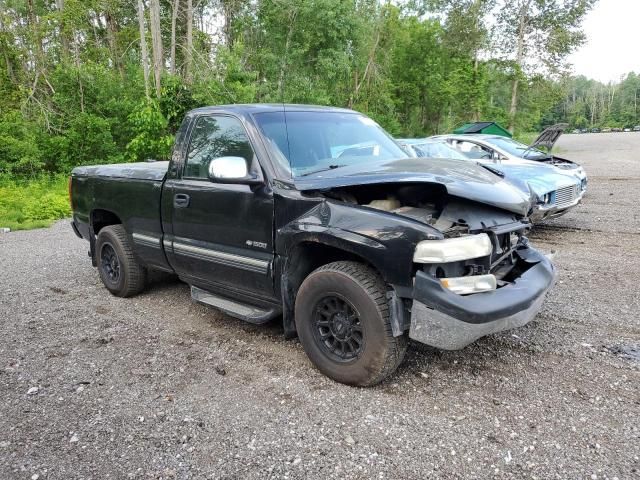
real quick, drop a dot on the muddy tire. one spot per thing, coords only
(119, 270)
(342, 319)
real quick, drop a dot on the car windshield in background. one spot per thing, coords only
(516, 148)
(437, 150)
(316, 141)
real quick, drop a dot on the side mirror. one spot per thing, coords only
(232, 170)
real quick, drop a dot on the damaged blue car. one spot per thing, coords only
(555, 190)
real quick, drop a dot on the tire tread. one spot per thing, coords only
(136, 274)
(376, 289)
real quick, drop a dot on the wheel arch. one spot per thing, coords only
(344, 314)
(98, 219)
(303, 258)
(121, 263)
(101, 218)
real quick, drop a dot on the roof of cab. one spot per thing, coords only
(418, 141)
(483, 127)
(463, 136)
(251, 108)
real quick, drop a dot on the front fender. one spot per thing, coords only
(385, 240)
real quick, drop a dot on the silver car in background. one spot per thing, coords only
(555, 190)
(503, 149)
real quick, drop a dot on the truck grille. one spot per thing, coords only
(567, 195)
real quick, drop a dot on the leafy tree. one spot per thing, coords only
(97, 81)
(150, 129)
(538, 32)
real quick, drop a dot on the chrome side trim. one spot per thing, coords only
(146, 240)
(223, 258)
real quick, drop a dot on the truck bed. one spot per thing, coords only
(135, 171)
(126, 193)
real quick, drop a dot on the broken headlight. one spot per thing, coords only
(544, 199)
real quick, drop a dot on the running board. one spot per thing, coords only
(243, 311)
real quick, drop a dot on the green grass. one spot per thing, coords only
(33, 203)
(526, 137)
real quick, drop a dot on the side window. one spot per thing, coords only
(473, 150)
(214, 137)
(499, 156)
(420, 151)
(178, 146)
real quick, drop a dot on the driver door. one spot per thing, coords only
(222, 233)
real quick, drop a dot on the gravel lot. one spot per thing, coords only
(93, 386)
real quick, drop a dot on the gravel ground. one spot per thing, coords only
(93, 386)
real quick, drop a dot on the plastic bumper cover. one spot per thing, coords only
(449, 321)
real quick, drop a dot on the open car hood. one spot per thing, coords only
(461, 178)
(550, 135)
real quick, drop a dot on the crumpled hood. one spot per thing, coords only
(461, 178)
(540, 177)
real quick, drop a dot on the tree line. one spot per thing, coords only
(97, 81)
(588, 103)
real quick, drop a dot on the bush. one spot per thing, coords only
(33, 203)
(150, 128)
(51, 206)
(90, 141)
(19, 151)
(176, 100)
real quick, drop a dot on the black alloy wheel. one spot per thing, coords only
(119, 269)
(343, 322)
(110, 264)
(338, 328)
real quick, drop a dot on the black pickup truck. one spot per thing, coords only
(317, 216)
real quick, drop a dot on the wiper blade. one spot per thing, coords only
(324, 169)
(540, 158)
(493, 170)
(531, 148)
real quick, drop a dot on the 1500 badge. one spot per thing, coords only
(253, 243)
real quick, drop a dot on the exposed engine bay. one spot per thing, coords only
(452, 216)
(560, 163)
(429, 204)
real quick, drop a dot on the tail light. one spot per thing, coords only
(70, 194)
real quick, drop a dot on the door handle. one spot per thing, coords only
(181, 200)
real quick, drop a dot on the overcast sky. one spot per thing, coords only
(613, 38)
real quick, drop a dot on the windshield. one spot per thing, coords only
(437, 150)
(518, 149)
(315, 141)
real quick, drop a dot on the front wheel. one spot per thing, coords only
(119, 270)
(342, 318)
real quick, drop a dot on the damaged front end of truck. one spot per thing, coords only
(449, 240)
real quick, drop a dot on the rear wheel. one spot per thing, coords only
(342, 318)
(119, 270)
